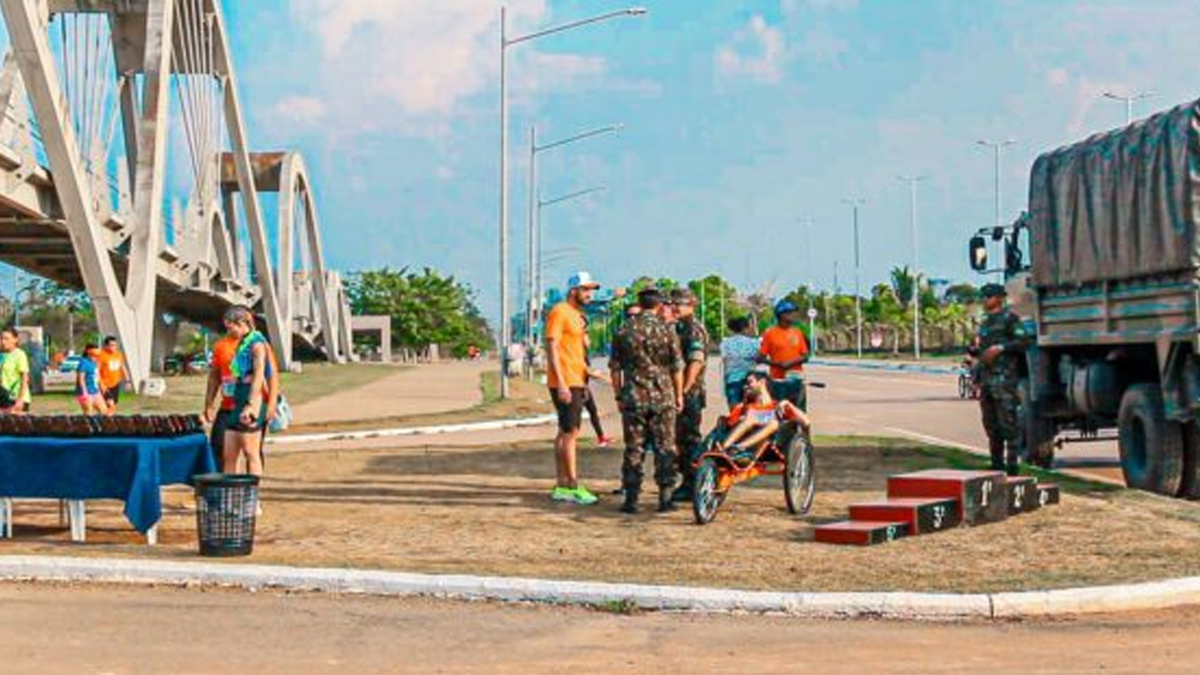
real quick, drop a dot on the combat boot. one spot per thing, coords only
(666, 501)
(630, 504)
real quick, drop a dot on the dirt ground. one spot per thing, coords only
(48, 629)
(485, 510)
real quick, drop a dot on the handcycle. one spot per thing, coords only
(968, 379)
(788, 454)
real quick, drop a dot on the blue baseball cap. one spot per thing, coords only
(785, 307)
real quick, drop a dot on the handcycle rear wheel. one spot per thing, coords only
(706, 497)
(964, 386)
(799, 475)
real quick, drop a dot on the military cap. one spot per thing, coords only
(992, 290)
(650, 295)
(683, 296)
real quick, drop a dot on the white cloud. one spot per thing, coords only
(756, 52)
(795, 6)
(303, 110)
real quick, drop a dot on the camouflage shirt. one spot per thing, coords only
(693, 344)
(1006, 329)
(646, 353)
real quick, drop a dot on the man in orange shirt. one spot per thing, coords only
(111, 363)
(785, 349)
(566, 363)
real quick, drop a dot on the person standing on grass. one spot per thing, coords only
(89, 393)
(15, 394)
(566, 351)
(785, 349)
(113, 372)
(250, 371)
(218, 396)
(647, 376)
(693, 345)
(739, 356)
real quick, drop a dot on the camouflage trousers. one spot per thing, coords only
(998, 405)
(648, 430)
(688, 438)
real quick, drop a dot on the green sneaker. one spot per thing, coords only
(562, 494)
(584, 496)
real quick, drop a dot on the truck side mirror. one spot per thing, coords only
(979, 253)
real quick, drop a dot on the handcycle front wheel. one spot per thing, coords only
(706, 497)
(799, 475)
(964, 386)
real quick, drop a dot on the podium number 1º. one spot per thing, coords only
(985, 491)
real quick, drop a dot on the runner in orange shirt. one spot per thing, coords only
(566, 359)
(113, 372)
(785, 349)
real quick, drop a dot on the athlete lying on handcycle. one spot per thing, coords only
(755, 420)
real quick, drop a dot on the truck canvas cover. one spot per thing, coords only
(1119, 205)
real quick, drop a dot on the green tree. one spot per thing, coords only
(717, 300)
(425, 308)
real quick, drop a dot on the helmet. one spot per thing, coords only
(785, 306)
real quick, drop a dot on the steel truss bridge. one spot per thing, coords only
(125, 172)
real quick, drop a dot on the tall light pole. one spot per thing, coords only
(534, 283)
(996, 147)
(855, 204)
(505, 43)
(1129, 101)
(538, 216)
(916, 273)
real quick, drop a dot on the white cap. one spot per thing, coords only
(582, 280)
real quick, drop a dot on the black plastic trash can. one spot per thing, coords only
(226, 510)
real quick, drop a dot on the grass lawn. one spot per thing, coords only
(185, 394)
(444, 508)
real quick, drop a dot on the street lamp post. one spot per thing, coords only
(538, 216)
(997, 146)
(505, 43)
(534, 234)
(1129, 101)
(855, 205)
(916, 273)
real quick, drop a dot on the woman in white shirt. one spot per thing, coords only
(739, 356)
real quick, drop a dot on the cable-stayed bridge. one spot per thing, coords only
(126, 172)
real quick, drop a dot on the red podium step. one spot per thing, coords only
(981, 495)
(860, 533)
(923, 516)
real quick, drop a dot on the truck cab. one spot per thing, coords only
(1105, 265)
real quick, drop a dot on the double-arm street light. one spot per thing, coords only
(541, 204)
(534, 277)
(997, 146)
(855, 204)
(916, 272)
(505, 43)
(1129, 101)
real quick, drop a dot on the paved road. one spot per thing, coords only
(50, 630)
(924, 407)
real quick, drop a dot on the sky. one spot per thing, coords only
(742, 119)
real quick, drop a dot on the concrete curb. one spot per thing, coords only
(896, 367)
(492, 425)
(894, 605)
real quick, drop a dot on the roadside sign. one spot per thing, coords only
(812, 312)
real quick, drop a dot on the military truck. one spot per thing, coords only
(1112, 286)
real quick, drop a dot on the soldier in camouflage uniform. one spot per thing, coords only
(693, 342)
(1002, 341)
(647, 374)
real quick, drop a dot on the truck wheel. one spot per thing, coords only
(1189, 487)
(1037, 433)
(1151, 445)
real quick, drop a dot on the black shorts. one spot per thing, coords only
(570, 415)
(113, 395)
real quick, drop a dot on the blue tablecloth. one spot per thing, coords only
(129, 469)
